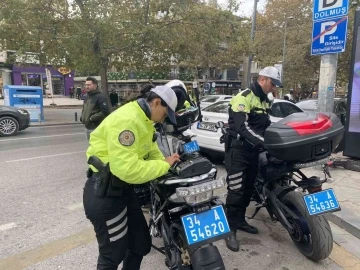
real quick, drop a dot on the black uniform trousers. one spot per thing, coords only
(120, 226)
(241, 164)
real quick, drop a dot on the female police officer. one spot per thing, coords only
(125, 142)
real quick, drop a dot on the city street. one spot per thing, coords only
(43, 226)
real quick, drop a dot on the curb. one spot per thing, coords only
(346, 240)
(63, 106)
(54, 124)
(346, 220)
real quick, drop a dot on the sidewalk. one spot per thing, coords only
(61, 102)
(347, 190)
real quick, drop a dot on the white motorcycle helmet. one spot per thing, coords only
(288, 97)
(184, 117)
(176, 83)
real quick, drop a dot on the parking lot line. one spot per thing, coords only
(40, 137)
(56, 155)
(7, 226)
(28, 258)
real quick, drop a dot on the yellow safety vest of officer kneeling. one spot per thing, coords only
(125, 141)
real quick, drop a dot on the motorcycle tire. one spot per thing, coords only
(312, 236)
(204, 258)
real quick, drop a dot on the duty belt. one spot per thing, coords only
(106, 184)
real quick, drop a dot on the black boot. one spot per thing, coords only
(232, 243)
(244, 226)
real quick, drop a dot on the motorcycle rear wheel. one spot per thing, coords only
(312, 236)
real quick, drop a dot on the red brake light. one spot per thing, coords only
(321, 123)
(314, 189)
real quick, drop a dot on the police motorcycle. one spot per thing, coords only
(183, 210)
(297, 201)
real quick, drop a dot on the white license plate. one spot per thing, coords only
(207, 126)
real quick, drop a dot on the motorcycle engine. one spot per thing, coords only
(193, 167)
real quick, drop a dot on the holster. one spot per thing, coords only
(229, 137)
(106, 184)
(227, 141)
(102, 180)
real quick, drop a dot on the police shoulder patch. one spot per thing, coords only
(126, 138)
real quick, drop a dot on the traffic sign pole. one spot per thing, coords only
(329, 39)
(327, 81)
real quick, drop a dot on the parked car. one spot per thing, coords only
(13, 120)
(211, 99)
(208, 136)
(340, 108)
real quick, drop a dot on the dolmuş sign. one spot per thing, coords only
(327, 9)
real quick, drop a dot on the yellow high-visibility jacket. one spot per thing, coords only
(125, 141)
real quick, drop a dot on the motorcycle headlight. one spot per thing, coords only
(22, 111)
(199, 193)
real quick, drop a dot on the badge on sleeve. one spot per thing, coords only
(241, 107)
(126, 138)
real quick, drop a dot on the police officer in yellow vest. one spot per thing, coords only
(125, 142)
(248, 119)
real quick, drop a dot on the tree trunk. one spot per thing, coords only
(103, 61)
(104, 82)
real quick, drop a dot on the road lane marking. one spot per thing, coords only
(75, 206)
(56, 155)
(28, 258)
(40, 137)
(7, 226)
(56, 126)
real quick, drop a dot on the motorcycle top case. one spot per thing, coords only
(304, 137)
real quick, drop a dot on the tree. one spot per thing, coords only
(210, 38)
(91, 35)
(300, 67)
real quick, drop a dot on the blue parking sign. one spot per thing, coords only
(327, 9)
(329, 36)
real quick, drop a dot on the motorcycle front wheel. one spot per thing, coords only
(312, 234)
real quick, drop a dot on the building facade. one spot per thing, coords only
(26, 70)
(36, 76)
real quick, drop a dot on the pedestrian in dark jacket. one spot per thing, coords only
(114, 98)
(78, 92)
(95, 107)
